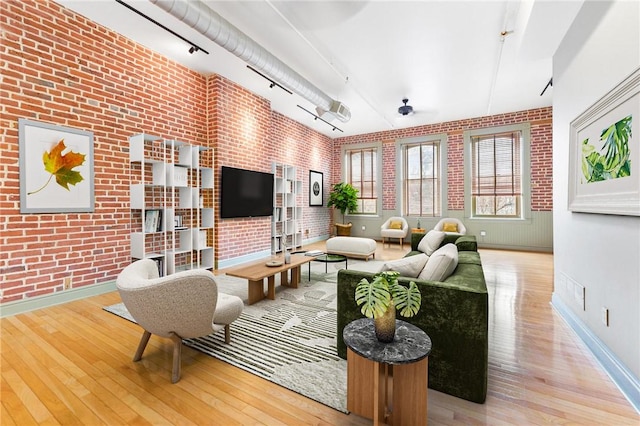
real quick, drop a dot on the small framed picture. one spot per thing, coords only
(315, 189)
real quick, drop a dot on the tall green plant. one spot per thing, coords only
(344, 197)
(376, 296)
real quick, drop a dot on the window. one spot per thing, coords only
(362, 171)
(421, 192)
(496, 174)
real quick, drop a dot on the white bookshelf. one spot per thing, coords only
(171, 187)
(286, 222)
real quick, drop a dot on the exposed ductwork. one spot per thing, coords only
(213, 26)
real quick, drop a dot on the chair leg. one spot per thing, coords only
(143, 344)
(177, 357)
(227, 333)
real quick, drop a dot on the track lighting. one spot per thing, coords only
(192, 49)
(315, 117)
(272, 83)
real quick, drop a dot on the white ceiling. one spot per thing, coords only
(447, 57)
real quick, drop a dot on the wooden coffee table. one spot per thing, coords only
(256, 272)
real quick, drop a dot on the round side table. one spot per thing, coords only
(387, 382)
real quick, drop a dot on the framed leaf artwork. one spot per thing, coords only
(56, 168)
(604, 150)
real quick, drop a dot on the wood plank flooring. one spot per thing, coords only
(71, 364)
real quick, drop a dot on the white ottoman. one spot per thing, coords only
(352, 247)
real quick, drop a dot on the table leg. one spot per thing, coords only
(284, 278)
(295, 277)
(256, 291)
(271, 287)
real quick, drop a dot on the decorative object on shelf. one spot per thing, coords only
(382, 296)
(47, 153)
(344, 197)
(603, 177)
(316, 197)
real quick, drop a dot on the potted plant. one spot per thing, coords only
(344, 197)
(382, 296)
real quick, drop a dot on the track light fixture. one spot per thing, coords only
(192, 49)
(272, 83)
(315, 117)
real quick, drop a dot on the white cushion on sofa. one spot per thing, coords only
(430, 242)
(441, 264)
(409, 266)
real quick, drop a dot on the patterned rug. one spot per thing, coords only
(290, 341)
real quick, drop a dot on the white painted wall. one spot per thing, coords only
(600, 252)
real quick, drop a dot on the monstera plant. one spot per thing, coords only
(380, 299)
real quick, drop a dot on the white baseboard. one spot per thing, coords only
(58, 298)
(628, 384)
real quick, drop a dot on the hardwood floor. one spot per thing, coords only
(71, 364)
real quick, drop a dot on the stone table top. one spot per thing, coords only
(410, 343)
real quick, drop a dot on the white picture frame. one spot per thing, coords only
(604, 177)
(56, 168)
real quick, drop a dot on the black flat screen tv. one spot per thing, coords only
(245, 193)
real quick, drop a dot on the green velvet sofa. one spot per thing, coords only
(454, 314)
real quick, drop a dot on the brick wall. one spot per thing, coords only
(62, 69)
(247, 134)
(541, 151)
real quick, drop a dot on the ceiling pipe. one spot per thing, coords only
(213, 26)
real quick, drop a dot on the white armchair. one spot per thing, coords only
(451, 225)
(394, 227)
(179, 306)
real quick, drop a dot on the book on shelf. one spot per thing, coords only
(159, 265)
(152, 221)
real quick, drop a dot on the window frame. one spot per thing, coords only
(401, 144)
(346, 173)
(525, 170)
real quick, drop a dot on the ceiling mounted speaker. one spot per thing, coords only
(405, 109)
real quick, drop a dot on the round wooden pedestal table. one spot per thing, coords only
(387, 382)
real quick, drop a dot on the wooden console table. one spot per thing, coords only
(256, 272)
(387, 382)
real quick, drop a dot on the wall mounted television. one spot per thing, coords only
(245, 193)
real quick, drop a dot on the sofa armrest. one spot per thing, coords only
(467, 243)
(415, 240)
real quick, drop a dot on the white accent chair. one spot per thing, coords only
(440, 226)
(388, 231)
(179, 306)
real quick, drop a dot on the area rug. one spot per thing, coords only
(290, 341)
